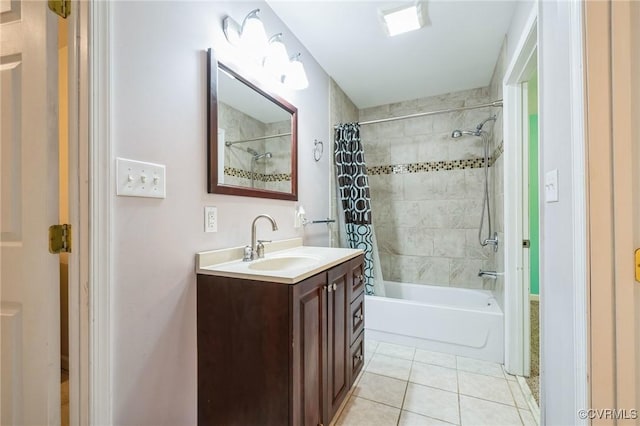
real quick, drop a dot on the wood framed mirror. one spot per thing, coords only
(252, 137)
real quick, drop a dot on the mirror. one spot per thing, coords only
(252, 137)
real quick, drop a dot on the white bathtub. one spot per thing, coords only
(453, 320)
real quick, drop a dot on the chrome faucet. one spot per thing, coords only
(488, 274)
(253, 252)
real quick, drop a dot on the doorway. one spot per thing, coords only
(63, 172)
(531, 230)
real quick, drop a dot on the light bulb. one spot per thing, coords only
(253, 37)
(276, 59)
(296, 77)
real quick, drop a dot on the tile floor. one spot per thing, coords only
(406, 386)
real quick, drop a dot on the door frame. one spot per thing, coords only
(90, 189)
(516, 298)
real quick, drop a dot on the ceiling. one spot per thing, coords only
(456, 50)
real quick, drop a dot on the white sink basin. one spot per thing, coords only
(283, 263)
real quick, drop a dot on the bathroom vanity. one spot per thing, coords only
(280, 339)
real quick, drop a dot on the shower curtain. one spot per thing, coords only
(352, 186)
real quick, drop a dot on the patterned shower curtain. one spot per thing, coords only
(353, 192)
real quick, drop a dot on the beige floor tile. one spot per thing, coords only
(389, 366)
(362, 412)
(397, 351)
(435, 403)
(477, 412)
(479, 366)
(485, 387)
(434, 376)
(435, 358)
(381, 389)
(407, 418)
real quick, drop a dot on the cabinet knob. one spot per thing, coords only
(324, 288)
(361, 278)
(335, 286)
(361, 317)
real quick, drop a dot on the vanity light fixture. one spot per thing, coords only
(250, 36)
(296, 77)
(277, 59)
(271, 54)
(404, 19)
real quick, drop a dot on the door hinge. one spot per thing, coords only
(60, 239)
(638, 265)
(526, 243)
(60, 7)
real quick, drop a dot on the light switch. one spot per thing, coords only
(140, 179)
(551, 186)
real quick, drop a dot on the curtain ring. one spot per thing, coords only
(318, 148)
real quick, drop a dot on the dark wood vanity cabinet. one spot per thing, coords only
(278, 354)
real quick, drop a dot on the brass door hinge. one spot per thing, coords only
(60, 239)
(60, 7)
(638, 265)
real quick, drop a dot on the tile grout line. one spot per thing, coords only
(406, 387)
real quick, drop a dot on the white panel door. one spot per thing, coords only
(29, 275)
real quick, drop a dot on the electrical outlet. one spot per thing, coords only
(210, 219)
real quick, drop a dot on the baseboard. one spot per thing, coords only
(534, 298)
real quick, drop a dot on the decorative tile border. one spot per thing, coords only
(436, 166)
(261, 177)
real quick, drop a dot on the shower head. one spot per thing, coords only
(265, 155)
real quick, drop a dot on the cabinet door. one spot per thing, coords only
(338, 310)
(309, 363)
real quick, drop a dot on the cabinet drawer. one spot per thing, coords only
(357, 277)
(357, 317)
(357, 357)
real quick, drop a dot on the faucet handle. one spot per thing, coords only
(260, 248)
(247, 254)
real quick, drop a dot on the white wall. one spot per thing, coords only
(557, 286)
(159, 115)
(518, 22)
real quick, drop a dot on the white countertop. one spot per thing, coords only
(228, 262)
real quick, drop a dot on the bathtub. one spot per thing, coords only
(459, 321)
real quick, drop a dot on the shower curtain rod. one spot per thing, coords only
(497, 103)
(258, 139)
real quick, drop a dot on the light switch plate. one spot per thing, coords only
(551, 186)
(210, 219)
(140, 179)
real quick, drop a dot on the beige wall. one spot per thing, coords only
(635, 63)
(158, 54)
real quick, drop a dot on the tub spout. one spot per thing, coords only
(488, 274)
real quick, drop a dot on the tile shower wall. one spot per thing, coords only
(426, 216)
(341, 110)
